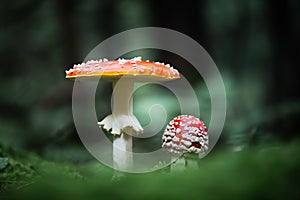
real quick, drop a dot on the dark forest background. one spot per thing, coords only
(255, 45)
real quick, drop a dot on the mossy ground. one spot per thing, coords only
(269, 172)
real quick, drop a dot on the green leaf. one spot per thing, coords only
(3, 162)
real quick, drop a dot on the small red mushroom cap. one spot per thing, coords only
(185, 133)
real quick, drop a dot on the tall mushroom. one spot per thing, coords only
(185, 136)
(123, 73)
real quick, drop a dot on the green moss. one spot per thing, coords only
(25, 168)
(269, 172)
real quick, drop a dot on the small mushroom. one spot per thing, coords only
(123, 73)
(185, 136)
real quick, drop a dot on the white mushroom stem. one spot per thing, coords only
(191, 160)
(122, 151)
(186, 160)
(122, 96)
(122, 118)
(122, 123)
(178, 163)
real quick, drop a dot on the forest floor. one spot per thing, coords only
(266, 172)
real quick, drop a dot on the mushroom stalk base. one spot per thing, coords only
(191, 160)
(178, 163)
(187, 160)
(122, 152)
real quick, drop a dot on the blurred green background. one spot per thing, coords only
(255, 45)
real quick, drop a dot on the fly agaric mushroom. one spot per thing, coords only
(185, 134)
(123, 73)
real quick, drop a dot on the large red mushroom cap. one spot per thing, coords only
(185, 133)
(114, 69)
